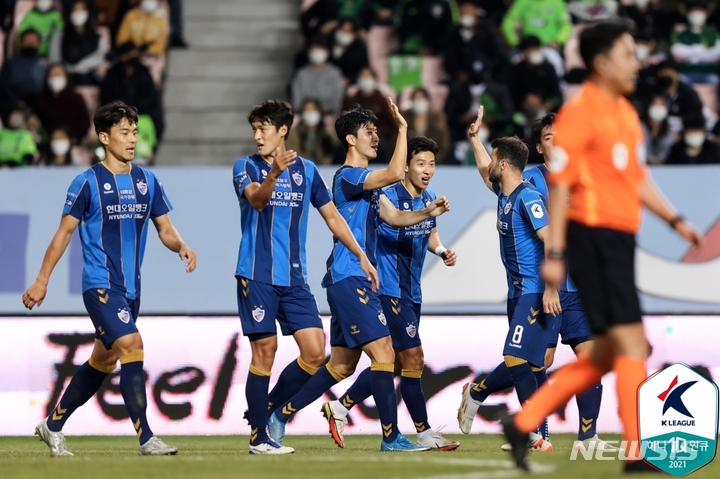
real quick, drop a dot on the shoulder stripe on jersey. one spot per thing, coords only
(79, 191)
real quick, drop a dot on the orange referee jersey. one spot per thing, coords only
(599, 151)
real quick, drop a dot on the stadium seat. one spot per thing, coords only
(91, 95)
(571, 90)
(384, 88)
(381, 41)
(708, 96)
(306, 4)
(433, 71)
(572, 50)
(156, 65)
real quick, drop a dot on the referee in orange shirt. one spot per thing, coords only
(599, 161)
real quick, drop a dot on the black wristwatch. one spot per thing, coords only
(555, 253)
(677, 219)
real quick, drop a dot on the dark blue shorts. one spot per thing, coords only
(260, 304)
(357, 314)
(574, 326)
(112, 314)
(403, 318)
(529, 330)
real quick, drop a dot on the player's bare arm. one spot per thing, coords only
(551, 297)
(482, 158)
(435, 246)
(398, 219)
(170, 237)
(340, 229)
(35, 294)
(553, 268)
(258, 194)
(654, 200)
(396, 168)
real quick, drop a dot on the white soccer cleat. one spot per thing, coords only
(156, 447)
(467, 410)
(336, 422)
(594, 444)
(536, 443)
(435, 441)
(270, 447)
(54, 440)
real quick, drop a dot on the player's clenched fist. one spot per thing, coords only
(439, 206)
(34, 295)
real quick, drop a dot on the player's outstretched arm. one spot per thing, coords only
(435, 246)
(35, 294)
(339, 227)
(172, 241)
(654, 200)
(396, 168)
(482, 159)
(398, 219)
(258, 194)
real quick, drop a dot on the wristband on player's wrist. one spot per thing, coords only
(675, 221)
(555, 253)
(440, 251)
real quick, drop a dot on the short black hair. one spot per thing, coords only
(30, 31)
(668, 64)
(600, 37)
(113, 113)
(350, 121)
(694, 122)
(419, 144)
(530, 41)
(512, 149)
(275, 112)
(541, 124)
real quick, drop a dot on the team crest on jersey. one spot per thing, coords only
(141, 186)
(381, 317)
(297, 178)
(411, 329)
(258, 314)
(124, 315)
(508, 207)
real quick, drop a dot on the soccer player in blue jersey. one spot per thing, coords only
(401, 255)
(358, 323)
(112, 203)
(522, 226)
(275, 189)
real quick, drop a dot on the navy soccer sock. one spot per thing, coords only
(132, 388)
(541, 377)
(256, 394)
(522, 376)
(360, 390)
(84, 383)
(383, 390)
(499, 379)
(291, 380)
(414, 397)
(324, 379)
(589, 410)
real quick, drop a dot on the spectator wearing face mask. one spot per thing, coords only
(694, 148)
(61, 152)
(58, 104)
(649, 58)
(22, 76)
(696, 47)
(17, 146)
(349, 52)
(476, 44)
(45, 20)
(319, 79)
(423, 26)
(310, 139)
(79, 46)
(534, 74)
(424, 120)
(680, 97)
(659, 138)
(144, 27)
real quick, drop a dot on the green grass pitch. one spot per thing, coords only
(220, 457)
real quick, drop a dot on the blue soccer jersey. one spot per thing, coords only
(401, 252)
(361, 210)
(538, 177)
(520, 215)
(272, 248)
(113, 211)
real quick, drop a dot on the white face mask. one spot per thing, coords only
(420, 106)
(642, 3)
(60, 147)
(150, 6)
(483, 134)
(536, 57)
(697, 18)
(318, 56)
(16, 122)
(344, 38)
(79, 17)
(642, 52)
(311, 117)
(467, 21)
(366, 84)
(694, 140)
(57, 84)
(657, 112)
(44, 5)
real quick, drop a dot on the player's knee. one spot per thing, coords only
(314, 358)
(343, 370)
(126, 345)
(414, 360)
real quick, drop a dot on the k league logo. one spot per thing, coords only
(678, 420)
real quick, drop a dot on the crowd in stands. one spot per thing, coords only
(440, 59)
(62, 59)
